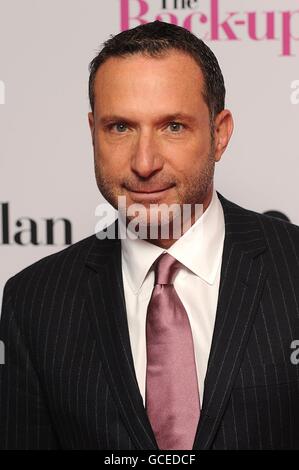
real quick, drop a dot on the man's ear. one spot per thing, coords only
(223, 129)
(91, 125)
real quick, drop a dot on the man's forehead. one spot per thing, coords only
(170, 59)
(153, 86)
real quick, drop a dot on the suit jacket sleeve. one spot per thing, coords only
(24, 419)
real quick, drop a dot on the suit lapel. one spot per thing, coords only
(106, 307)
(241, 284)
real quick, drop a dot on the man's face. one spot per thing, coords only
(151, 131)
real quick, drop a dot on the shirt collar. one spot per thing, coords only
(199, 249)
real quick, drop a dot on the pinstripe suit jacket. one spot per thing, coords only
(69, 382)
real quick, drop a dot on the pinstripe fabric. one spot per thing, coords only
(69, 379)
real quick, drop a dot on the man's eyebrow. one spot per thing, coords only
(113, 118)
(178, 117)
(106, 119)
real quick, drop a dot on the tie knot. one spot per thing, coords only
(165, 268)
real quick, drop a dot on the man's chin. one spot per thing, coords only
(149, 226)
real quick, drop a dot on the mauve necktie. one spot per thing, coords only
(172, 396)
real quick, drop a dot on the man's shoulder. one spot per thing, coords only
(280, 236)
(62, 264)
(267, 221)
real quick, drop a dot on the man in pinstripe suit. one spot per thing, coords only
(73, 323)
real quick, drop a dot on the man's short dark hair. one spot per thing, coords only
(155, 39)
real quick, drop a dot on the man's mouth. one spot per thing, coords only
(147, 193)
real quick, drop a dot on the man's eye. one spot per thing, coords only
(119, 127)
(175, 126)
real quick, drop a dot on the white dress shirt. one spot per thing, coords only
(199, 250)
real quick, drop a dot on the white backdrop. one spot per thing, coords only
(46, 157)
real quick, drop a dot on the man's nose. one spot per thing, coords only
(146, 158)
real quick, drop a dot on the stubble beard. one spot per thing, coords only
(193, 193)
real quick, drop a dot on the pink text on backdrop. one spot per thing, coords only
(212, 24)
